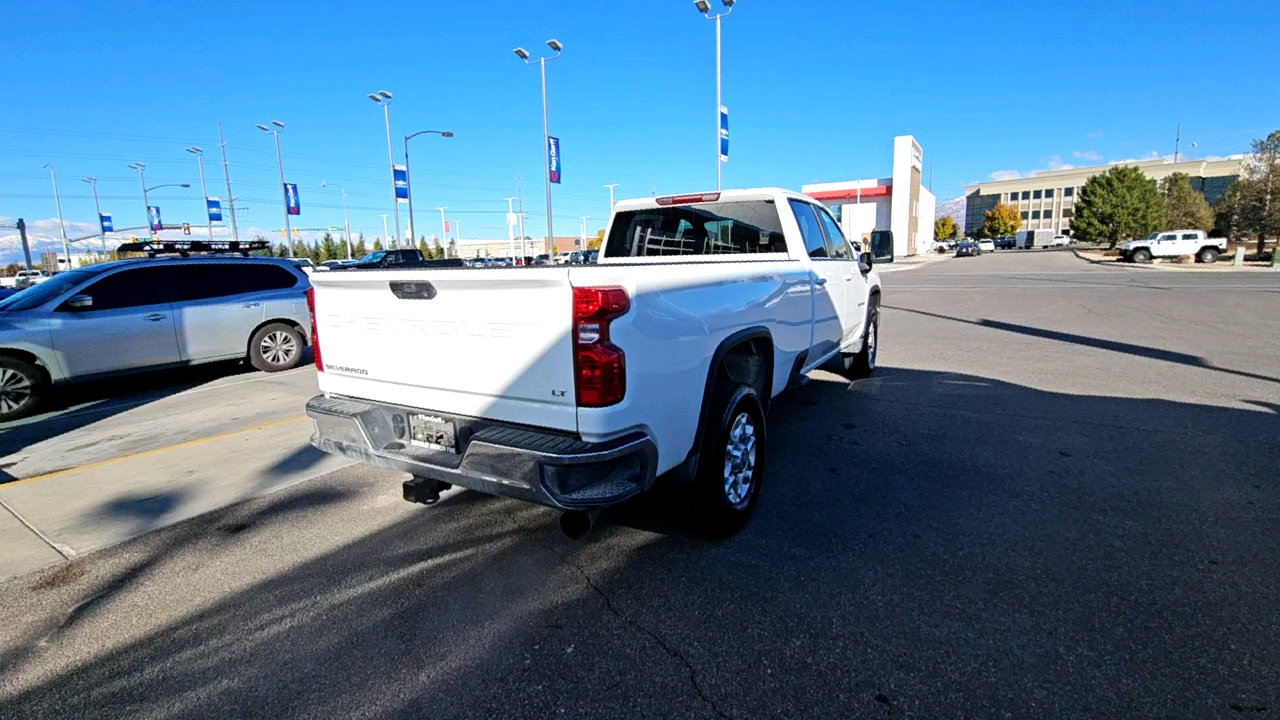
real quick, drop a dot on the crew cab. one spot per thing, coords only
(1174, 243)
(576, 386)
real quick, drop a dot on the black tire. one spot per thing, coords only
(1141, 255)
(864, 363)
(718, 505)
(1207, 255)
(22, 388)
(276, 347)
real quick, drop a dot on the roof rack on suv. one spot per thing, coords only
(185, 247)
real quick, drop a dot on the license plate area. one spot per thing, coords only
(432, 432)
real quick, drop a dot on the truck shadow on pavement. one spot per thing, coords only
(927, 544)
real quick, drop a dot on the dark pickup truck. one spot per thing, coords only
(399, 259)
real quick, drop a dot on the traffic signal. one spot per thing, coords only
(186, 228)
(295, 233)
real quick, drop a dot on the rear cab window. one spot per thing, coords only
(741, 227)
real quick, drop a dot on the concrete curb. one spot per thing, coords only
(1190, 267)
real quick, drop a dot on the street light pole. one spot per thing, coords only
(199, 153)
(146, 206)
(57, 201)
(346, 224)
(611, 186)
(284, 196)
(93, 183)
(413, 235)
(444, 231)
(704, 7)
(231, 201)
(384, 228)
(511, 238)
(383, 98)
(546, 131)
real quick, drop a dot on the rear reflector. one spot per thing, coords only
(689, 199)
(315, 334)
(600, 367)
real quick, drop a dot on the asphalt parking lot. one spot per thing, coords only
(1056, 498)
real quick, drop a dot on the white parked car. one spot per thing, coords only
(575, 386)
(24, 279)
(987, 245)
(1174, 243)
(135, 315)
(1060, 241)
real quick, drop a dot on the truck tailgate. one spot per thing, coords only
(488, 343)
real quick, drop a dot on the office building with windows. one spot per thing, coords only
(899, 203)
(1046, 200)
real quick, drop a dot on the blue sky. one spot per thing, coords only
(816, 91)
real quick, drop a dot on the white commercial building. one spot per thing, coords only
(899, 203)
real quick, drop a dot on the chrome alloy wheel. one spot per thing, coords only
(279, 348)
(15, 389)
(740, 461)
(873, 335)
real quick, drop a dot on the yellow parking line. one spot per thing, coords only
(156, 451)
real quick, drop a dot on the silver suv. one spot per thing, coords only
(132, 315)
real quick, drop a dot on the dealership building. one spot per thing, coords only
(1046, 200)
(899, 203)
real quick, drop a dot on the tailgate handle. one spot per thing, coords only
(416, 290)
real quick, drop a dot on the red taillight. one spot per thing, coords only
(688, 199)
(315, 334)
(600, 366)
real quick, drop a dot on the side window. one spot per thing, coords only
(836, 245)
(1190, 236)
(814, 243)
(202, 281)
(134, 287)
(258, 278)
(1168, 237)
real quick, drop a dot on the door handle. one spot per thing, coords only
(820, 281)
(848, 278)
(153, 317)
(253, 304)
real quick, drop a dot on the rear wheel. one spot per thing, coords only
(22, 388)
(1141, 255)
(724, 492)
(1207, 255)
(275, 347)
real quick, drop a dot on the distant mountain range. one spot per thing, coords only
(954, 209)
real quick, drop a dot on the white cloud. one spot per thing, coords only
(1005, 175)
(1094, 135)
(1086, 155)
(1055, 163)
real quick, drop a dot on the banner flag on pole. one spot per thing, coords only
(446, 226)
(553, 159)
(400, 174)
(215, 209)
(291, 199)
(153, 216)
(107, 225)
(724, 134)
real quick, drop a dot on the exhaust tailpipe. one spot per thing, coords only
(576, 524)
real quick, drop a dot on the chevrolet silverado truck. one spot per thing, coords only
(576, 386)
(1172, 244)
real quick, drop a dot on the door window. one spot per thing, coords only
(1170, 238)
(836, 245)
(810, 231)
(202, 281)
(1190, 236)
(133, 287)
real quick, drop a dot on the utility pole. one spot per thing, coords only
(384, 230)
(226, 171)
(524, 249)
(26, 248)
(1177, 140)
(66, 248)
(444, 231)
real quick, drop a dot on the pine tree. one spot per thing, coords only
(1117, 205)
(1185, 208)
(437, 250)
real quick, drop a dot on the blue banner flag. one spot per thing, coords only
(724, 133)
(291, 199)
(153, 216)
(105, 220)
(215, 209)
(400, 174)
(553, 158)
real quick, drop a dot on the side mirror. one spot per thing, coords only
(80, 302)
(864, 262)
(882, 245)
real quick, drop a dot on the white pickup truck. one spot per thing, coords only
(1174, 243)
(576, 386)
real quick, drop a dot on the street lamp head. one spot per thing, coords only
(522, 53)
(702, 5)
(264, 128)
(374, 97)
(195, 150)
(728, 3)
(385, 94)
(90, 180)
(448, 133)
(137, 166)
(186, 185)
(554, 44)
(278, 124)
(48, 166)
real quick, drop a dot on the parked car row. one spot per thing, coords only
(24, 279)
